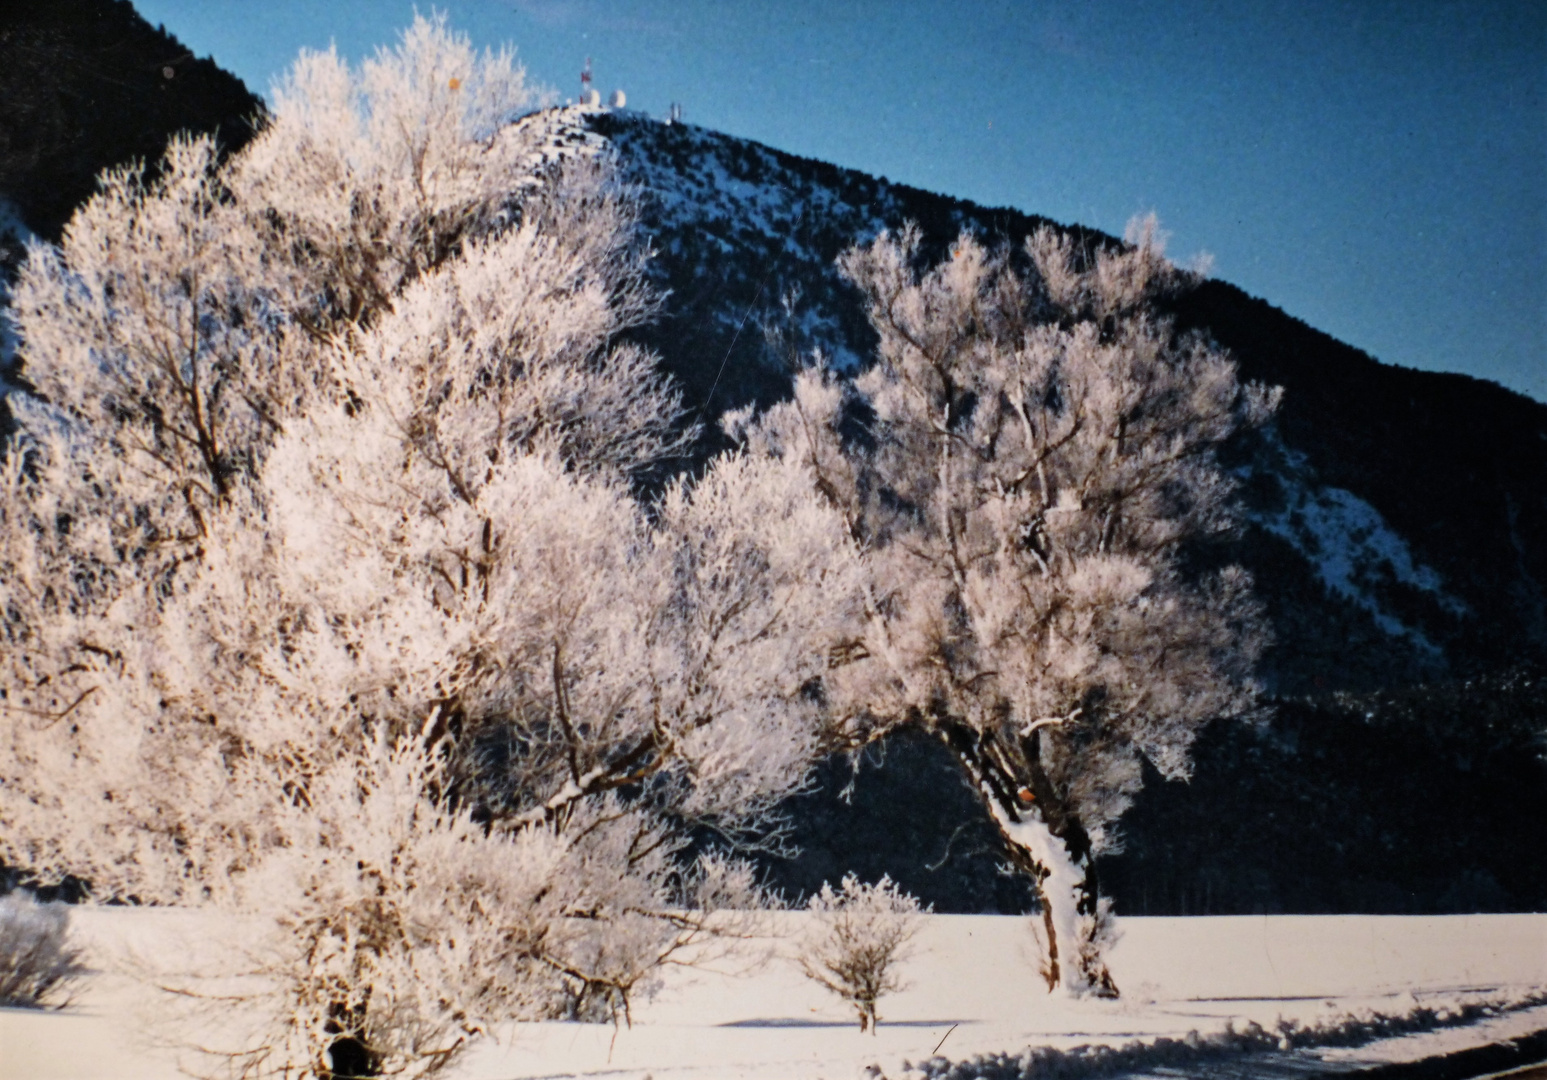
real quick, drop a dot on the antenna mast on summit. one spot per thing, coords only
(585, 80)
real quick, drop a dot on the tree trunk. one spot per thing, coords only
(1073, 917)
(1049, 843)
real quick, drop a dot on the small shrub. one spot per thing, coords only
(862, 933)
(37, 961)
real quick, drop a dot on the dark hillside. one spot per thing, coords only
(89, 84)
(1397, 519)
(1396, 526)
(1430, 800)
(1456, 466)
(86, 85)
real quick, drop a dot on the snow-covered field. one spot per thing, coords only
(972, 986)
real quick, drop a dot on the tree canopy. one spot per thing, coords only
(1026, 464)
(327, 590)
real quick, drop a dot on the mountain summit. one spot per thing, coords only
(1396, 528)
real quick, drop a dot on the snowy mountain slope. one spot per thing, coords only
(14, 236)
(1396, 528)
(1399, 518)
(1362, 557)
(1355, 552)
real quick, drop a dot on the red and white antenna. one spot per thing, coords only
(588, 94)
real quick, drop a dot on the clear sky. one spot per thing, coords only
(1377, 168)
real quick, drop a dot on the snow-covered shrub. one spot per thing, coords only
(326, 592)
(861, 935)
(37, 961)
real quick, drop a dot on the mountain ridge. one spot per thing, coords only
(88, 85)
(737, 226)
(1396, 525)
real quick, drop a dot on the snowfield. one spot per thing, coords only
(973, 991)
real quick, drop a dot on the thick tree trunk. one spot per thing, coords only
(1049, 843)
(1072, 913)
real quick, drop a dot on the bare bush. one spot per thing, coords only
(37, 961)
(862, 933)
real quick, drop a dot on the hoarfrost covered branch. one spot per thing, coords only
(861, 935)
(1025, 461)
(326, 593)
(38, 961)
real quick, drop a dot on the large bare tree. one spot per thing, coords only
(326, 594)
(1027, 462)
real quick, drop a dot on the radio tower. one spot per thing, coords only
(585, 82)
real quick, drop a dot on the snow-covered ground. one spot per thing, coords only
(973, 991)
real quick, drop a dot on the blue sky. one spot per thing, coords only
(1378, 169)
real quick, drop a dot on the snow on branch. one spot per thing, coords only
(327, 594)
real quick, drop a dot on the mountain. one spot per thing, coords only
(1396, 521)
(87, 85)
(1396, 527)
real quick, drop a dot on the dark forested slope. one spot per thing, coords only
(89, 84)
(1396, 527)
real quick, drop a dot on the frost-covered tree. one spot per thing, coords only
(38, 961)
(860, 935)
(326, 593)
(1026, 461)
